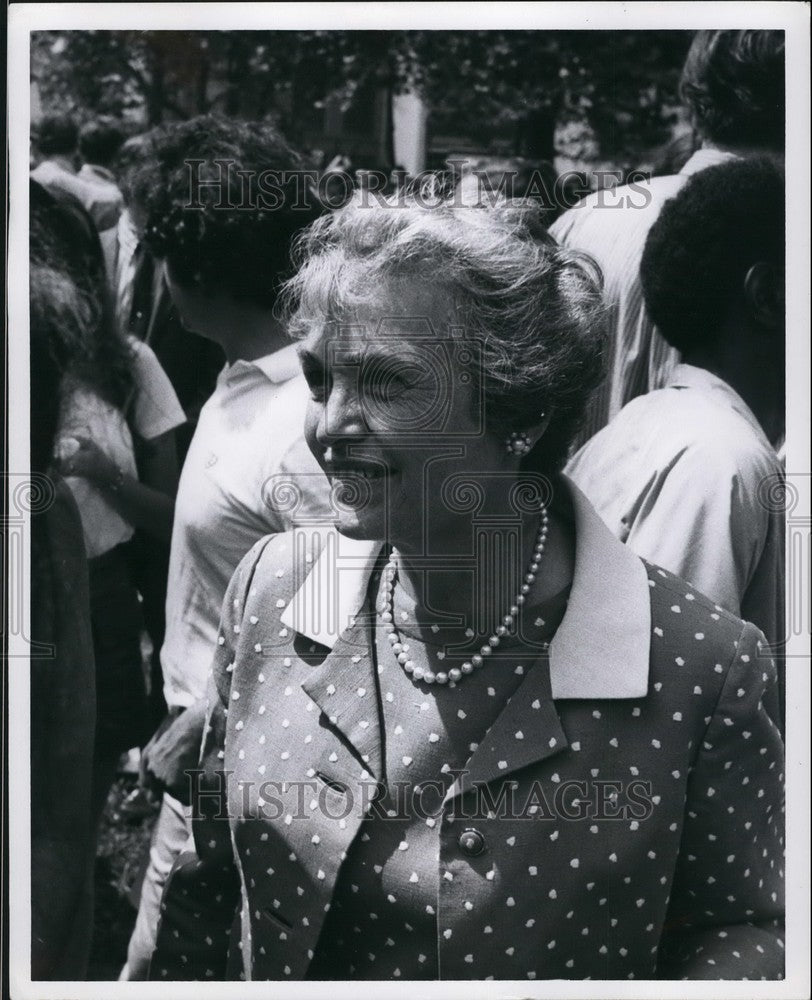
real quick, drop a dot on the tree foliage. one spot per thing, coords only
(484, 84)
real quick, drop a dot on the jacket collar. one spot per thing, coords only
(601, 648)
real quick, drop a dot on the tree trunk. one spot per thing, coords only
(234, 74)
(202, 98)
(535, 135)
(156, 92)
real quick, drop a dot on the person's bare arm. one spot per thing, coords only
(173, 751)
(148, 502)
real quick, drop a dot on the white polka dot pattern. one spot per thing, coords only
(680, 878)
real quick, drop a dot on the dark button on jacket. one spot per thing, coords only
(472, 842)
(682, 879)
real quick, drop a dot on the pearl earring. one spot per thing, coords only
(518, 443)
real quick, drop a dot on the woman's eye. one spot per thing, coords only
(385, 390)
(317, 383)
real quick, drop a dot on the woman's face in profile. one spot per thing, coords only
(395, 411)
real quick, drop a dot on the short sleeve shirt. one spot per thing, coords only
(683, 476)
(154, 411)
(248, 444)
(155, 408)
(85, 414)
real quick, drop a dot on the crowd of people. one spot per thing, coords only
(447, 492)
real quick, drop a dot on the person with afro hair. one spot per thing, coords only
(732, 89)
(687, 475)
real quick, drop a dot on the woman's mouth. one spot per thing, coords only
(366, 472)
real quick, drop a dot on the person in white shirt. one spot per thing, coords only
(116, 418)
(733, 86)
(224, 268)
(687, 474)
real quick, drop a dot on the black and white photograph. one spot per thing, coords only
(407, 500)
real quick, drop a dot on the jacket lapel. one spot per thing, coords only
(345, 688)
(526, 731)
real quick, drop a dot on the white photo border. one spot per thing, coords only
(794, 19)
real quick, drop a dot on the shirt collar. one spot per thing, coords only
(59, 163)
(127, 233)
(690, 377)
(279, 366)
(601, 648)
(706, 157)
(96, 172)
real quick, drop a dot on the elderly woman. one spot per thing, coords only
(470, 735)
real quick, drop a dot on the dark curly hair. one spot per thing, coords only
(223, 201)
(733, 84)
(60, 320)
(63, 242)
(702, 245)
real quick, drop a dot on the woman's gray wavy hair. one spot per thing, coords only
(534, 306)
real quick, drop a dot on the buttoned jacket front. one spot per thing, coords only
(657, 703)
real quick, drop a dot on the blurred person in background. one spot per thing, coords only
(63, 233)
(99, 143)
(684, 474)
(115, 450)
(144, 310)
(63, 683)
(336, 184)
(224, 268)
(485, 182)
(57, 139)
(733, 85)
(143, 305)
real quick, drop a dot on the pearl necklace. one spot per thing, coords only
(455, 674)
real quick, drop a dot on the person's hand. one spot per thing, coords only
(80, 456)
(145, 779)
(172, 751)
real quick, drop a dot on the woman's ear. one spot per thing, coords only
(764, 294)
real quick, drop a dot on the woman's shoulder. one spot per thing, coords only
(679, 604)
(690, 631)
(706, 663)
(279, 562)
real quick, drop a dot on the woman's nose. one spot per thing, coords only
(342, 415)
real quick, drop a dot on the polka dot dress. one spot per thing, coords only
(383, 919)
(648, 842)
